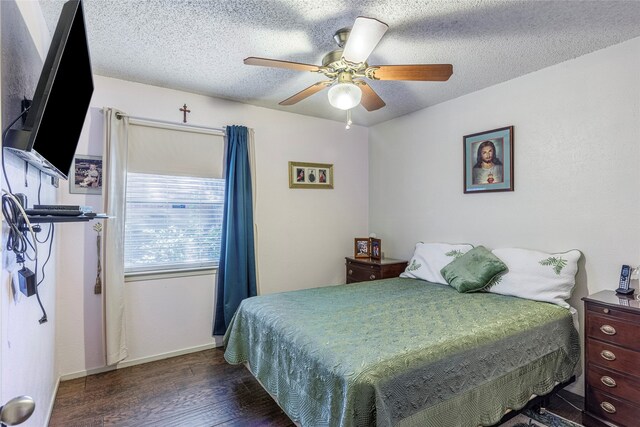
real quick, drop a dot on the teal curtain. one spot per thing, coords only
(236, 270)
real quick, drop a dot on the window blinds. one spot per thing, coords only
(155, 150)
(172, 222)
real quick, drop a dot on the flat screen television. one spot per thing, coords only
(50, 134)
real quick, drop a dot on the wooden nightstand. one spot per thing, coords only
(364, 269)
(612, 359)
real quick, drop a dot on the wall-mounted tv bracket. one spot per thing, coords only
(25, 104)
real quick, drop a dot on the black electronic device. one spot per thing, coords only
(50, 134)
(53, 212)
(58, 207)
(625, 278)
(27, 279)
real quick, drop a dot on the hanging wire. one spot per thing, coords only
(4, 135)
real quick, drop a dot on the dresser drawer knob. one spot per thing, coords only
(608, 329)
(372, 277)
(606, 311)
(608, 355)
(350, 272)
(608, 407)
(608, 381)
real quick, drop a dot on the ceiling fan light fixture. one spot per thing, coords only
(345, 95)
(342, 66)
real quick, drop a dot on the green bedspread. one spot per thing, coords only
(401, 352)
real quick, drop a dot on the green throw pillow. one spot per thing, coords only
(474, 270)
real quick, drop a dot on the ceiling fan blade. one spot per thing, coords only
(426, 72)
(363, 38)
(305, 93)
(370, 99)
(265, 62)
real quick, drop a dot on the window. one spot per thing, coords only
(172, 222)
(174, 198)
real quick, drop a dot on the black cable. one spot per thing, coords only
(43, 319)
(4, 135)
(47, 236)
(52, 232)
(16, 241)
(39, 184)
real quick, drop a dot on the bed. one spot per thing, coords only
(402, 352)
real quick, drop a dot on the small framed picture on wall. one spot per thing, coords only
(310, 175)
(85, 176)
(488, 161)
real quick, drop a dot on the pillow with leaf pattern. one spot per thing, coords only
(536, 275)
(429, 258)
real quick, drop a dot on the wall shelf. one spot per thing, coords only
(39, 219)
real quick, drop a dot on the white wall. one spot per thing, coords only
(577, 132)
(27, 348)
(303, 235)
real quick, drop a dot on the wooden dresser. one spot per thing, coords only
(363, 269)
(612, 359)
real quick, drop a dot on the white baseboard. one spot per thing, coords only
(80, 374)
(167, 355)
(217, 343)
(53, 401)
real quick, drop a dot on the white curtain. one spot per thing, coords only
(252, 167)
(115, 166)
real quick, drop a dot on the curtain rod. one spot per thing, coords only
(143, 121)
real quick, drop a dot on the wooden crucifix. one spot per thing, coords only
(184, 112)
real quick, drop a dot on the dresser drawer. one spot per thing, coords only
(614, 330)
(612, 312)
(361, 273)
(611, 408)
(614, 383)
(611, 356)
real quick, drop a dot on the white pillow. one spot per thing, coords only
(537, 275)
(429, 258)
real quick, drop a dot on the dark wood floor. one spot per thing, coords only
(197, 389)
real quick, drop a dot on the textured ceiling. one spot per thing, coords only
(198, 46)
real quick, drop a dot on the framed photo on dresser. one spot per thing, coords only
(361, 247)
(376, 248)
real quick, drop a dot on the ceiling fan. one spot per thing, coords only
(347, 68)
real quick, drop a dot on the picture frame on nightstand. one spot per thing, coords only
(361, 247)
(376, 248)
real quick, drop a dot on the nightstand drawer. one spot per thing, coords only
(610, 329)
(613, 357)
(360, 273)
(614, 383)
(611, 408)
(366, 269)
